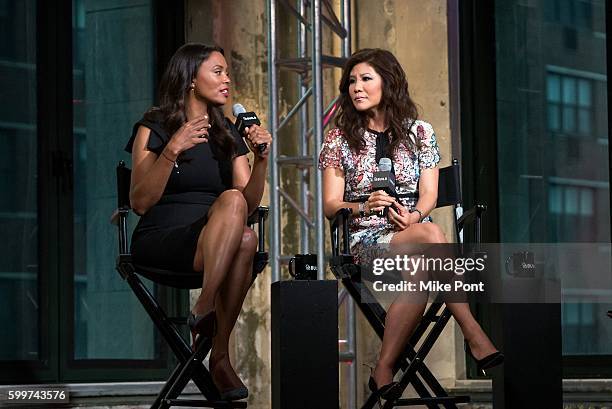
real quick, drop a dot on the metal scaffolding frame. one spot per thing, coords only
(309, 14)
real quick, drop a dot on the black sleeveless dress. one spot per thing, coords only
(167, 234)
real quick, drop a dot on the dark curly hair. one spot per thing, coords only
(400, 112)
(174, 88)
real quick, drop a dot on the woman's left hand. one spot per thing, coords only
(401, 217)
(255, 136)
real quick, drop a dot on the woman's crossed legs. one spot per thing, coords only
(404, 313)
(225, 252)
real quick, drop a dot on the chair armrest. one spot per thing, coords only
(259, 217)
(119, 219)
(340, 219)
(117, 215)
(472, 215)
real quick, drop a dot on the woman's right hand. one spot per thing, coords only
(378, 200)
(192, 133)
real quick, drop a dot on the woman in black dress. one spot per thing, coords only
(193, 187)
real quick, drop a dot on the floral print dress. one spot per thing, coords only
(359, 169)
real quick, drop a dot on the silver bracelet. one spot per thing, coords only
(361, 208)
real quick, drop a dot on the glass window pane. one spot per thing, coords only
(571, 314)
(571, 200)
(586, 316)
(565, 11)
(554, 118)
(19, 298)
(551, 10)
(113, 85)
(569, 119)
(584, 14)
(569, 90)
(576, 213)
(584, 93)
(586, 202)
(555, 205)
(553, 88)
(584, 121)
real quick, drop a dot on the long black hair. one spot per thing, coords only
(399, 110)
(174, 88)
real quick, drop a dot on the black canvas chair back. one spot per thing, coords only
(190, 366)
(449, 186)
(414, 371)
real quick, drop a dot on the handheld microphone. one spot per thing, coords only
(245, 119)
(384, 179)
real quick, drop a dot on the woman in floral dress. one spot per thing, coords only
(375, 104)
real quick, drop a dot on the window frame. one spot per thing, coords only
(478, 123)
(564, 74)
(168, 26)
(54, 48)
(553, 15)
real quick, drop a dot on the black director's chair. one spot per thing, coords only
(411, 362)
(189, 365)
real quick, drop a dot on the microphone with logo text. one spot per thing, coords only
(384, 179)
(245, 119)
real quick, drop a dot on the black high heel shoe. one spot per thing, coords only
(390, 391)
(228, 394)
(488, 362)
(238, 393)
(202, 326)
